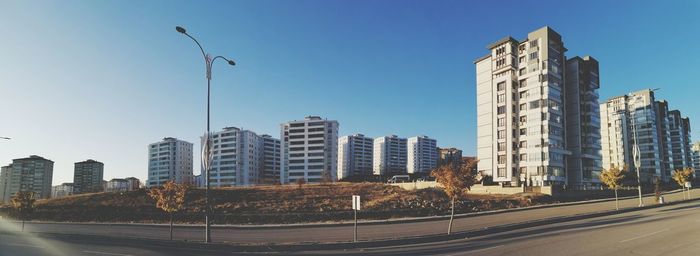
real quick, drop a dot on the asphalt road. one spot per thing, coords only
(668, 230)
(327, 234)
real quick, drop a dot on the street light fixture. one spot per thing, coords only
(636, 154)
(206, 148)
(5, 138)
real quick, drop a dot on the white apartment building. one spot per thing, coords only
(521, 110)
(389, 155)
(30, 174)
(243, 158)
(309, 150)
(421, 155)
(170, 159)
(696, 158)
(63, 190)
(619, 117)
(355, 156)
(272, 157)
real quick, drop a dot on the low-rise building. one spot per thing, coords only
(63, 190)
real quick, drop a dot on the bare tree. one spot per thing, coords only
(456, 180)
(23, 203)
(682, 176)
(169, 198)
(612, 177)
(300, 182)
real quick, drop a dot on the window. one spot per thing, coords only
(501, 98)
(523, 119)
(534, 104)
(521, 59)
(523, 157)
(502, 159)
(533, 43)
(501, 134)
(523, 94)
(522, 72)
(501, 110)
(501, 147)
(500, 62)
(522, 144)
(501, 122)
(523, 82)
(501, 172)
(501, 86)
(523, 131)
(523, 106)
(533, 56)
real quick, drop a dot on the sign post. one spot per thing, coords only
(355, 208)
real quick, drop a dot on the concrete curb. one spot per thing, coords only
(360, 222)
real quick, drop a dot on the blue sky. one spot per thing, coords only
(102, 79)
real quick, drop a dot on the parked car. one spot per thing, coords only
(399, 179)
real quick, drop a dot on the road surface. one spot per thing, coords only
(668, 230)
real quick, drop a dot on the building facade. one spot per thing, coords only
(389, 155)
(449, 155)
(637, 118)
(237, 158)
(87, 176)
(272, 156)
(582, 118)
(309, 150)
(696, 159)
(5, 172)
(521, 111)
(421, 155)
(355, 156)
(679, 130)
(169, 160)
(31, 174)
(63, 190)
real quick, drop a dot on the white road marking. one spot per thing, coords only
(645, 235)
(107, 253)
(25, 245)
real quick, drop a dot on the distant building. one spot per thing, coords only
(309, 150)
(87, 176)
(5, 173)
(696, 160)
(63, 190)
(133, 183)
(117, 185)
(389, 155)
(33, 174)
(272, 156)
(355, 156)
(449, 155)
(170, 159)
(422, 155)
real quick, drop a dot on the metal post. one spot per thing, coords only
(636, 155)
(208, 207)
(355, 233)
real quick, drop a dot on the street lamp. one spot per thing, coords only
(636, 154)
(206, 148)
(5, 138)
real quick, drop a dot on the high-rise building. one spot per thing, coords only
(389, 155)
(237, 158)
(582, 122)
(639, 118)
(521, 108)
(63, 190)
(421, 155)
(169, 160)
(355, 156)
(271, 157)
(679, 130)
(31, 174)
(696, 160)
(309, 150)
(5, 172)
(87, 176)
(449, 155)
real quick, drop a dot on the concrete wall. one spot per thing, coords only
(476, 189)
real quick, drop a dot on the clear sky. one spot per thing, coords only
(102, 79)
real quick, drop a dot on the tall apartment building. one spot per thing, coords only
(389, 156)
(522, 107)
(33, 174)
(271, 157)
(582, 122)
(655, 126)
(449, 155)
(696, 159)
(170, 159)
(237, 158)
(679, 130)
(421, 155)
(309, 149)
(355, 155)
(5, 172)
(87, 176)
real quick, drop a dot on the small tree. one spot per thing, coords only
(23, 203)
(169, 198)
(456, 180)
(657, 189)
(612, 177)
(682, 176)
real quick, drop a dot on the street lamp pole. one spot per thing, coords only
(206, 149)
(636, 153)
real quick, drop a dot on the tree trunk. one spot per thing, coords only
(617, 204)
(171, 226)
(452, 216)
(22, 224)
